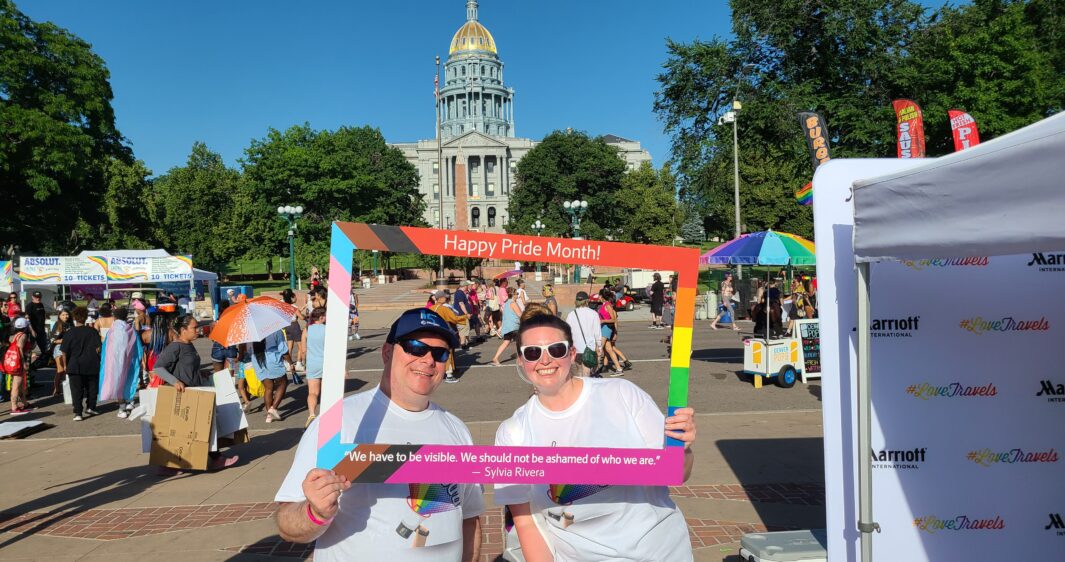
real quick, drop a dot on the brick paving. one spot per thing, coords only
(797, 494)
(115, 524)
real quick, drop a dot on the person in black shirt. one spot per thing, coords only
(81, 350)
(37, 315)
(658, 299)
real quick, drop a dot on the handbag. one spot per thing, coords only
(589, 358)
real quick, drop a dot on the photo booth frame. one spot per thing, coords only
(388, 463)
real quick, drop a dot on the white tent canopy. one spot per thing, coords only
(1002, 197)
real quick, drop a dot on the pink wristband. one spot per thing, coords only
(315, 520)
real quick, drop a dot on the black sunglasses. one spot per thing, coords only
(532, 353)
(419, 349)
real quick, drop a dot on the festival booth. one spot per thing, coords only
(942, 317)
(119, 273)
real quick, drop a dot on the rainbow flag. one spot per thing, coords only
(805, 196)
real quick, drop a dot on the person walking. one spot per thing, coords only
(388, 521)
(293, 336)
(550, 301)
(726, 301)
(61, 326)
(268, 357)
(509, 327)
(588, 334)
(589, 522)
(17, 365)
(454, 320)
(658, 300)
(120, 366)
(462, 306)
(179, 366)
(81, 353)
(105, 320)
(313, 345)
(608, 319)
(520, 295)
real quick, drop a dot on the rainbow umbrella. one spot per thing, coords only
(252, 321)
(763, 248)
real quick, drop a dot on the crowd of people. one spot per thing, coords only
(773, 311)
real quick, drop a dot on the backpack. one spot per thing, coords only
(13, 357)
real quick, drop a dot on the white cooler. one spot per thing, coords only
(785, 546)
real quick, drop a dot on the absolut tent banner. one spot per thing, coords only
(968, 396)
(963, 127)
(910, 128)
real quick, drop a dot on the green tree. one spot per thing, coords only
(192, 209)
(350, 174)
(565, 166)
(57, 135)
(999, 59)
(648, 206)
(123, 207)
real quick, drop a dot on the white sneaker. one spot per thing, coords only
(129, 407)
(357, 336)
(123, 414)
(91, 412)
(77, 418)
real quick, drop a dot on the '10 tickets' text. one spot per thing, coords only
(526, 248)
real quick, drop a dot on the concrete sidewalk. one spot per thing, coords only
(94, 498)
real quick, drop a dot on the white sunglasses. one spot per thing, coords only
(532, 353)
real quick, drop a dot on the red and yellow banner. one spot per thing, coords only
(910, 128)
(963, 127)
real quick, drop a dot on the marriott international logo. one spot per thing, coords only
(1048, 262)
(897, 459)
(1056, 524)
(1053, 392)
(894, 327)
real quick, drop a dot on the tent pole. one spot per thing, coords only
(866, 525)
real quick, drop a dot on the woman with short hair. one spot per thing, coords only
(589, 522)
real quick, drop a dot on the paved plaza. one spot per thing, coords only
(83, 490)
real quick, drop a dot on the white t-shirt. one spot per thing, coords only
(596, 522)
(378, 521)
(589, 326)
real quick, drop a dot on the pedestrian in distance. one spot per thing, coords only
(727, 293)
(658, 300)
(37, 314)
(444, 308)
(590, 522)
(608, 319)
(268, 358)
(586, 330)
(81, 353)
(548, 291)
(64, 322)
(313, 345)
(179, 366)
(293, 336)
(509, 327)
(387, 521)
(16, 365)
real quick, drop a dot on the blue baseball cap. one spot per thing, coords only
(421, 320)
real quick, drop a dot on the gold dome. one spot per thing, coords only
(472, 37)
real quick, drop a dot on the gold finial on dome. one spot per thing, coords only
(472, 36)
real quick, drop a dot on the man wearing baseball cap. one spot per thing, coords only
(380, 521)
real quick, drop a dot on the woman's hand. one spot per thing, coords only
(681, 426)
(179, 386)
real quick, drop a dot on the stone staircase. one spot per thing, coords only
(400, 295)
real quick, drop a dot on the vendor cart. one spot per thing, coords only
(787, 359)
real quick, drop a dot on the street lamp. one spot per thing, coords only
(439, 159)
(290, 214)
(538, 227)
(575, 209)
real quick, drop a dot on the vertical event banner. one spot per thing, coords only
(967, 394)
(127, 269)
(6, 276)
(816, 133)
(170, 268)
(963, 127)
(412, 463)
(910, 128)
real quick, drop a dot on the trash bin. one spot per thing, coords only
(711, 304)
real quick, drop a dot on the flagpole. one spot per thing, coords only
(439, 161)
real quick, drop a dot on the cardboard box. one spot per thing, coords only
(181, 428)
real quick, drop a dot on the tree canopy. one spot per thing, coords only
(1000, 60)
(57, 135)
(345, 175)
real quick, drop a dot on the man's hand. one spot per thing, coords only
(179, 386)
(322, 489)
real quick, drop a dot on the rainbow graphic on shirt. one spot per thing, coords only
(564, 494)
(427, 499)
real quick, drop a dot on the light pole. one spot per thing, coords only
(374, 264)
(575, 209)
(538, 227)
(733, 117)
(290, 214)
(439, 161)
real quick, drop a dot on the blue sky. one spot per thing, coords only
(223, 72)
